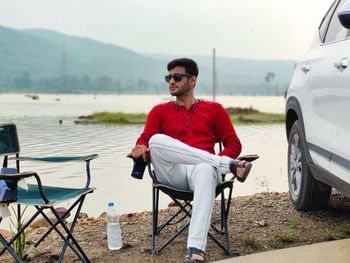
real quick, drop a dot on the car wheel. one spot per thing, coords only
(306, 193)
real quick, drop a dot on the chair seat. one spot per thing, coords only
(53, 194)
(188, 195)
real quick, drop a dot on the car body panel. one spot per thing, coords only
(340, 103)
(319, 95)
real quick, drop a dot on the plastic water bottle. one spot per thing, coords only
(114, 232)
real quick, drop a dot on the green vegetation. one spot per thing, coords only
(251, 242)
(239, 116)
(250, 116)
(287, 237)
(294, 222)
(20, 243)
(339, 233)
(113, 118)
(345, 228)
(332, 235)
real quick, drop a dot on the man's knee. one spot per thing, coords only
(205, 170)
(156, 139)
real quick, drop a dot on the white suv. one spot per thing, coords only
(318, 114)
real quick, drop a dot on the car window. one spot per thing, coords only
(335, 30)
(325, 22)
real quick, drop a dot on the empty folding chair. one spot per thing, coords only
(40, 196)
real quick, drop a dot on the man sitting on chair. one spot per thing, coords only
(180, 136)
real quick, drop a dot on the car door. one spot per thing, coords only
(340, 117)
(319, 72)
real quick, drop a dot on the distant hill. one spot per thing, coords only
(243, 76)
(41, 60)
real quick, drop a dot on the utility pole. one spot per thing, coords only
(214, 75)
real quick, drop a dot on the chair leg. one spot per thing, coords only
(81, 253)
(173, 237)
(24, 227)
(157, 229)
(9, 249)
(53, 225)
(169, 221)
(225, 216)
(155, 205)
(72, 226)
(222, 209)
(77, 249)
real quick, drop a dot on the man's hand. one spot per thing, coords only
(140, 151)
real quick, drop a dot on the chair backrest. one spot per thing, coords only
(8, 139)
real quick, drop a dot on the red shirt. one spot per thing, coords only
(200, 126)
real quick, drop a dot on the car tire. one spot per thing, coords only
(306, 193)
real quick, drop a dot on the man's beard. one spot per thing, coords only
(180, 91)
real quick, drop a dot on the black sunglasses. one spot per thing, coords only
(177, 77)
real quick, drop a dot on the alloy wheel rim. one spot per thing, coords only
(295, 166)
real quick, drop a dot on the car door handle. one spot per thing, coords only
(342, 63)
(306, 68)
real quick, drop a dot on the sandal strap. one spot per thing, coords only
(196, 251)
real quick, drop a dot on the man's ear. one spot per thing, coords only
(193, 80)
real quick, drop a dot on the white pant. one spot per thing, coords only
(184, 167)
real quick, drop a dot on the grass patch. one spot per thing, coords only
(253, 116)
(332, 234)
(341, 232)
(287, 237)
(345, 228)
(251, 242)
(283, 238)
(111, 118)
(294, 222)
(239, 116)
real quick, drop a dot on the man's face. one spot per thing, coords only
(184, 86)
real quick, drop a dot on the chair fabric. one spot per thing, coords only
(43, 197)
(183, 200)
(55, 195)
(8, 139)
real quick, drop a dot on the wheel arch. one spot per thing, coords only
(293, 113)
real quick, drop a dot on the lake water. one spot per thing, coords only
(41, 134)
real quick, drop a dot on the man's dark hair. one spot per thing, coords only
(189, 64)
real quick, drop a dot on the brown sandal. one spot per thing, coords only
(194, 251)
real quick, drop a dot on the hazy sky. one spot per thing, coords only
(262, 29)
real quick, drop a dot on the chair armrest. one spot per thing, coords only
(17, 176)
(60, 159)
(248, 157)
(57, 159)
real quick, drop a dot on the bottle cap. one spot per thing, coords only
(110, 204)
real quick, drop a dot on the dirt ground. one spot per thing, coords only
(257, 223)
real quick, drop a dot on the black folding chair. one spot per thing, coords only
(42, 197)
(183, 200)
